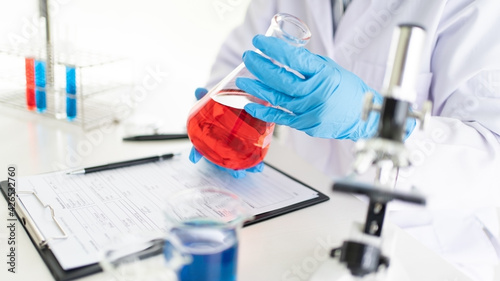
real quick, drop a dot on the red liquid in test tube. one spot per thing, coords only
(30, 83)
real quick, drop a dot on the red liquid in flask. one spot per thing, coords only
(228, 136)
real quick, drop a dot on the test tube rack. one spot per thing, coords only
(103, 86)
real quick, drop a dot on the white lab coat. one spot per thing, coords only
(457, 159)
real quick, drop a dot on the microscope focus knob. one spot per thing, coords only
(369, 106)
(424, 115)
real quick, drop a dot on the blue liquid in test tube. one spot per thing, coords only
(40, 95)
(70, 92)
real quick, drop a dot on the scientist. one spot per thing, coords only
(456, 161)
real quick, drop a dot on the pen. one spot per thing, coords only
(156, 137)
(121, 164)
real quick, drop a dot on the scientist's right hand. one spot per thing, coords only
(325, 102)
(195, 156)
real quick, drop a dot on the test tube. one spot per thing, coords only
(40, 95)
(70, 92)
(30, 83)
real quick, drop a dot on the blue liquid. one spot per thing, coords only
(40, 95)
(70, 92)
(214, 253)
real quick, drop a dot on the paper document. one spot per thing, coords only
(95, 208)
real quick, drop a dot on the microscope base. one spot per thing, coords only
(333, 270)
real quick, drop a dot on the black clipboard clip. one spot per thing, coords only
(30, 225)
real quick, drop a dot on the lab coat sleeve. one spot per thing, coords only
(456, 161)
(257, 20)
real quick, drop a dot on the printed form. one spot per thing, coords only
(94, 209)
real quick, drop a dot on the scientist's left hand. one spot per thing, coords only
(195, 156)
(326, 102)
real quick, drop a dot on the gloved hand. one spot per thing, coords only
(326, 102)
(195, 156)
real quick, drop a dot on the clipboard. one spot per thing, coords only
(60, 274)
(42, 248)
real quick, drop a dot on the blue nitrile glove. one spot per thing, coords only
(195, 156)
(326, 102)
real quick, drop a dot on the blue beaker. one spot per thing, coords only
(203, 225)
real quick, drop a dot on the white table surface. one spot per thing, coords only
(290, 247)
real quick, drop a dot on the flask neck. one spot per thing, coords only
(290, 29)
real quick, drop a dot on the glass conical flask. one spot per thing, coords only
(218, 126)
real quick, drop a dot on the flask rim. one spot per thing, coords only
(276, 29)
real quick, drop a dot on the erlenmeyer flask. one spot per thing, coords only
(218, 126)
